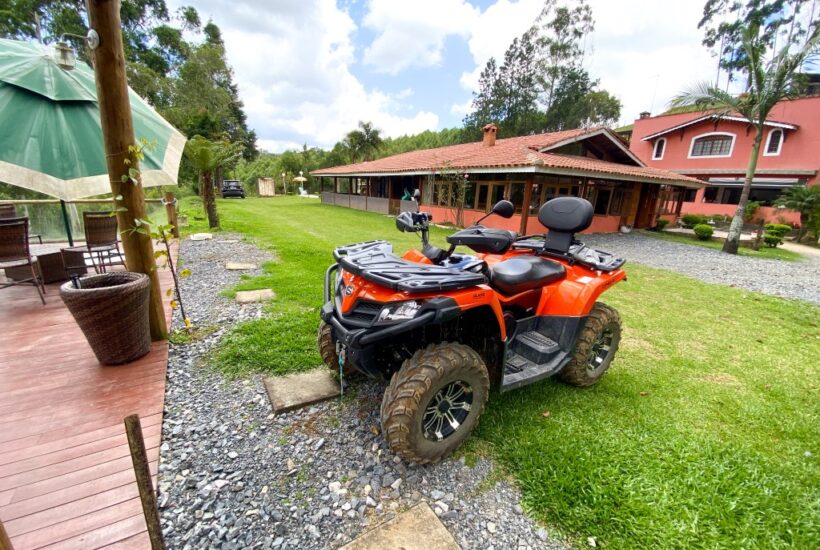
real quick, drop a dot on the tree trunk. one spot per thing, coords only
(209, 199)
(733, 239)
(118, 136)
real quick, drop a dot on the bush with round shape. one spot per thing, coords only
(691, 220)
(703, 232)
(777, 229)
(661, 224)
(772, 240)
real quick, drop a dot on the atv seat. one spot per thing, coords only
(525, 273)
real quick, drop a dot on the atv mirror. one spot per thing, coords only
(404, 222)
(505, 209)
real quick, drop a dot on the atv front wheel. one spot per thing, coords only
(327, 349)
(595, 347)
(434, 401)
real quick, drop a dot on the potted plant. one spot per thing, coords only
(112, 311)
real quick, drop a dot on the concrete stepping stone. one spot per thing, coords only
(417, 528)
(294, 391)
(201, 237)
(228, 241)
(251, 296)
(239, 266)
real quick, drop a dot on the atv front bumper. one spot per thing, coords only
(355, 337)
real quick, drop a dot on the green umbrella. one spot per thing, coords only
(51, 139)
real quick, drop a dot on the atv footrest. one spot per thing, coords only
(534, 346)
(520, 371)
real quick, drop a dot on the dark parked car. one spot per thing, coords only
(232, 188)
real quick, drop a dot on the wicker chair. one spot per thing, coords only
(100, 242)
(14, 252)
(8, 211)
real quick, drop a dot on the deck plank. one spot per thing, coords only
(66, 479)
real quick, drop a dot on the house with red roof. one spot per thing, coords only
(716, 149)
(592, 163)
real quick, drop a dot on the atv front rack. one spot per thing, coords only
(375, 261)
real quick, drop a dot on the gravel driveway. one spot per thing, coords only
(799, 280)
(234, 476)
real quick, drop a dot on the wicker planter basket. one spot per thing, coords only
(112, 311)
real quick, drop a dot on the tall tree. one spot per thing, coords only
(781, 23)
(561, 31)
(767, 84)
(577, 104)
(541, 84)
(363, 143)
(207, 157)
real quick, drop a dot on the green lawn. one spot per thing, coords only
(703, 435)
(717, 244)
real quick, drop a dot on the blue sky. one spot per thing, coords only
(309, 70)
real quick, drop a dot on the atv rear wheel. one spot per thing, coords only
(595, 347)
(434, 401)
(327, 349)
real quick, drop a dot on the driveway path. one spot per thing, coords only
(799, 280)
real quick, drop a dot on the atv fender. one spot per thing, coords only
(576, 295)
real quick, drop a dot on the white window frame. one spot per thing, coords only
(766, 152)
(695, 138)
(655, 149)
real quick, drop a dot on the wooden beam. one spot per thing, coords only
(171, 211)
(5, 542)
(525, 207)
(148, 498)
(118, 136)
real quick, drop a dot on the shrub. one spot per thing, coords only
(777, 229)
(661, 224)
(750, 210)
(691, 220)
(703, 232)
(772, 240)
(719, 218)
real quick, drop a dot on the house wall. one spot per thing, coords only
(799, 151)
(600, 224)
(766, 213)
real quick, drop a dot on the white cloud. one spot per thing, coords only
(644, 52)
(412, 33)
(292, 63)
(637, 45)
(494, 30)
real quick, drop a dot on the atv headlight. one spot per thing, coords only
(400, 311)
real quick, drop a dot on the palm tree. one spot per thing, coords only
(768, 83)
(805, 200)
(208, 156)
(364, 143)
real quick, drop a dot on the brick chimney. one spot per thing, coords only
(489, 135)
(645, 114)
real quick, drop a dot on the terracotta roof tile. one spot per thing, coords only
(506, 153)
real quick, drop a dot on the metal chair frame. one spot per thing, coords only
(101, 242)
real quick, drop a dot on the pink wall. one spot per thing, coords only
(799, 151)
(767, 213)
(600, 224)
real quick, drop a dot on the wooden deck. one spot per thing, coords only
(65, 471)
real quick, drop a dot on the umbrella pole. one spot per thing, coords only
(67, 222)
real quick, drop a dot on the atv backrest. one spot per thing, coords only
(564, 216)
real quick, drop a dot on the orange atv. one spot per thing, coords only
(442, 327)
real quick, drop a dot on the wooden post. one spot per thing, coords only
(525, 207)
(171, 211)
(139, 458)
(5, 542)
(118, 135)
